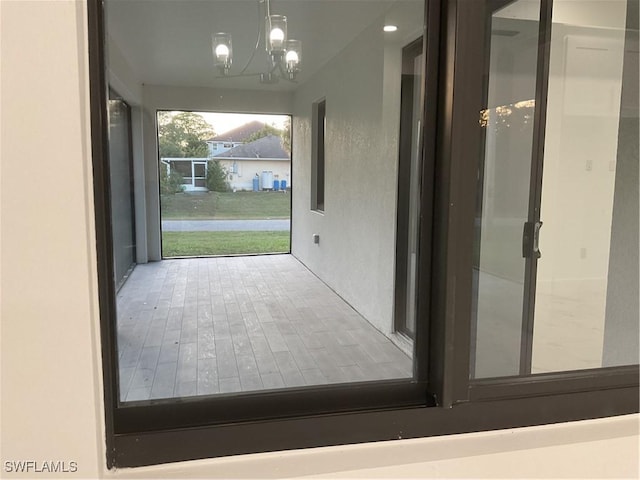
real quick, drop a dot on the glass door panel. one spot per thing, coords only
(568, 101)
(200, 175)
(504, 177)
(586, 312)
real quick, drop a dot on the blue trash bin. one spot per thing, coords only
(256, 183)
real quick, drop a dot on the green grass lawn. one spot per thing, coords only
(229, 205)
(185, 244)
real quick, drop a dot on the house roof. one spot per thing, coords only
(265, 147)
(240, 133)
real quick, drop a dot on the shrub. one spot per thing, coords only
(171, 182)
(217, 177)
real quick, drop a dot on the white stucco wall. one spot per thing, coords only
(51, 404)
(356, 253)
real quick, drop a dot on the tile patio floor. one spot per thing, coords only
(219, 325)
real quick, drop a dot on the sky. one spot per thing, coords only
(223, 122)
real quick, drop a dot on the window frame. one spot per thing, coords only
(443, 400)
(318, 152)
(410, 52)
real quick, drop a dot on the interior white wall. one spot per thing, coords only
(51, 387)
(50, 397)
(356, 253)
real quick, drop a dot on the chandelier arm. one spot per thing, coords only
(284, 75)
(240, 75)
(255, 49)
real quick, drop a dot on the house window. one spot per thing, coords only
(318, 155)
(484, 289)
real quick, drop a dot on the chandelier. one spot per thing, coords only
(284, 54)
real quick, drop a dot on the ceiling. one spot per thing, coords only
(168, 42)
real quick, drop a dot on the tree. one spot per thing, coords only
(170, 182)
(284, 134)
(217, 177)
(183, 134)
(263, 132)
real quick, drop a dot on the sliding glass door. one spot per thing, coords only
(560, 93)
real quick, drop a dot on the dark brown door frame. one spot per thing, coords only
(535, 188)
(535, 182)
(406, 139)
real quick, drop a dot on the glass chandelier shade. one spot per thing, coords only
(222, 51)
(293, 57)
(276, 33)
(285, 54)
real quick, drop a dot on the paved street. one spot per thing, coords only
(225, 225)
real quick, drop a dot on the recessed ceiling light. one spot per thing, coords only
(390, 28)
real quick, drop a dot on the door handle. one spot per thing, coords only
(531, 240)
(536, 239)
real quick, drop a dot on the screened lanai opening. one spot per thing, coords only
(225, 183)
(338, 307)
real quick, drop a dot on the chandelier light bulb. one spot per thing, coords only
(222, 52)
(291, 57)
(276, 32)
(277, 37)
